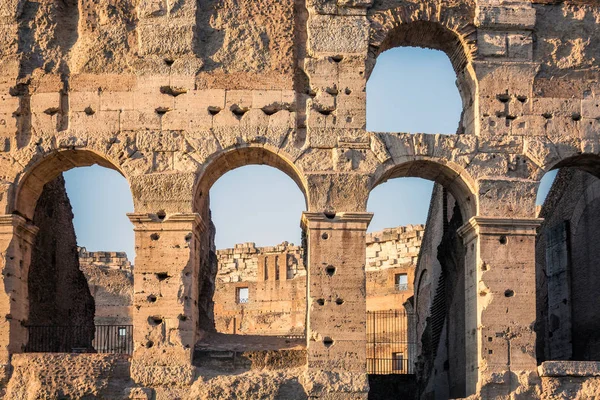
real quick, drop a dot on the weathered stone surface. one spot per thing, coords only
(175, 94)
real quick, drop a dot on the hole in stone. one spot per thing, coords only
(52, 111)
(149, 344)
(155, 320)
(188, 237)
(330, 270)
(503, 239)
(89, 111)
(325, 236)
(349, 119)
(489, 338)
(337, 58)
(564, 301)
(213, 110)
(311, 93)
(483, 293)
(329, 215)
(484, 267)
(348, 91)
(328, 342)
(522, 99)
(162, 110)
(271, 109)
(576, 117)
(324, 111)
(239, 111)
(503, 98)
(490, 351)
(509, 293)
(161, 214)
(155, 236)
(182, 317)
(152, 298)
(339, 301)
(321, 302)
(161, 276)
(172, 91)
(332, 91)
(511, 117)
(547, 115)
(169, 61)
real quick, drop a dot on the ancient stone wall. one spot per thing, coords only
(391, 252)
(567, 267)
(174, 95)
(110, 279)
(58, 291)
(275, 280)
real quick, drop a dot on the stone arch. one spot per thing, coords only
(451, 176)
(237, 157)
(586, 162)
(430, 26)
(215, 167)
(30, 184)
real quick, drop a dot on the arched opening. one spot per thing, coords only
(422, 82)
(416, 48)
(425, 258)
(252, 286)
(567, 269)
(414, 90)
(77, 294)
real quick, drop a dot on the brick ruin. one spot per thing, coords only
(110, 278)
(175, 94)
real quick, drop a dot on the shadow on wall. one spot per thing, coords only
(58, 290)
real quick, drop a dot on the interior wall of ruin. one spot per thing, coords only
(276, 279)
(440, 302)
(59, 294)
(391, 252)
(566, 266)
(110, 278)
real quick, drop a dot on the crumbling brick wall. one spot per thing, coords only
(439, 299)
(58, 290)
(276, 281)
(567, 257)
(110, 279)
(391, 252)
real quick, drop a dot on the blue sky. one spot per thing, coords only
(410, 90)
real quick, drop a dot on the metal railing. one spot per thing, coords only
(390, 346)
(386, 366)
(80, 339)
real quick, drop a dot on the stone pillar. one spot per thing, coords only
(500, 305)
(165, 298)
(336, 304)
(16, 242)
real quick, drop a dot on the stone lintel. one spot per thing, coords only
(569, 368)
(319, 220)
(147, 222)
(12, 223)
(499, 226)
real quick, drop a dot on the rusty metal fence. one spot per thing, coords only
(390, 342)
(80, 339)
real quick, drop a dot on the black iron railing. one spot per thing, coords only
(80, 339)
(390, 344)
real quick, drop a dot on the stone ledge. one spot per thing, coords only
(569, 368)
